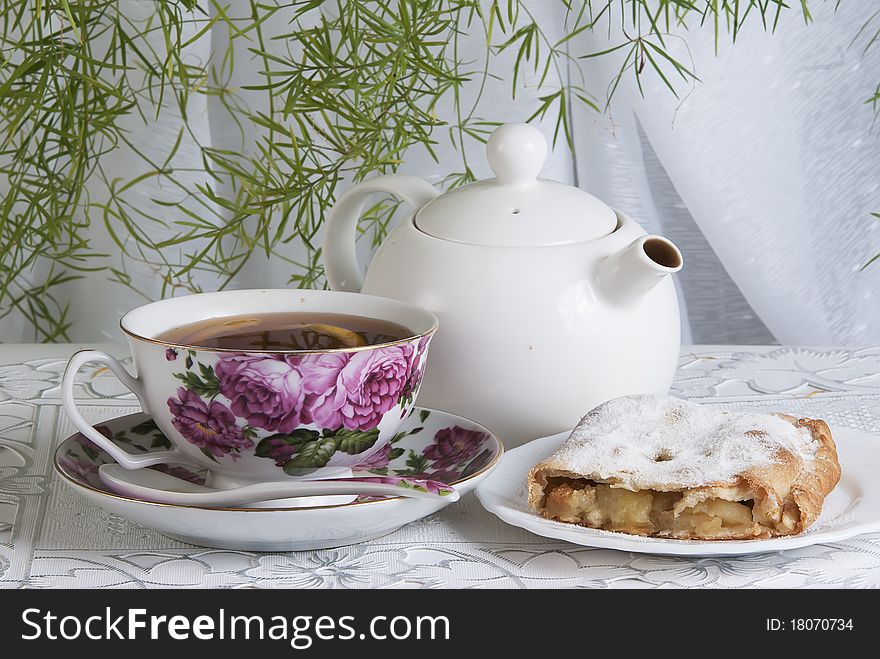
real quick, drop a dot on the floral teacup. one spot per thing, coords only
(250, 416)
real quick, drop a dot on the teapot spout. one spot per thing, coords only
(630, 273)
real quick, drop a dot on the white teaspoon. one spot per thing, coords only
(152, 485)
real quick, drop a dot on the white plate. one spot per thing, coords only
(851, 509)
(439, 445)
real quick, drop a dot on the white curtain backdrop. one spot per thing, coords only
(764, 173)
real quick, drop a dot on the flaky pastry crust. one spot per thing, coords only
(784, 498)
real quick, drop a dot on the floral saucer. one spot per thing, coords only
(430, 445)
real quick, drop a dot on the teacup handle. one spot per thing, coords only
(127, 460)
(340, 230)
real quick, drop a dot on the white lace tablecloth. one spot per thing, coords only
(49, 537)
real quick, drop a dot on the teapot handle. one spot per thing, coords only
(340, 250)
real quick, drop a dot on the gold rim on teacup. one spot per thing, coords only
(184, 346)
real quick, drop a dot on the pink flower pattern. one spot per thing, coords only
(453, 446)
(355, 390)
(283, 394)
(266, 390)
(210, 426)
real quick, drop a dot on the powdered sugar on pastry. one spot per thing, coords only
(657, 442)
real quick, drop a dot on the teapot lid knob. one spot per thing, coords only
(516, 209)
(516, 153)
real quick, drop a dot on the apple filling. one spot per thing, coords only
(712, 513)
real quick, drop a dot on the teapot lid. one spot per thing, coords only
(516, 208)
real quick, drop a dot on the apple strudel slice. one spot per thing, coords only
(659, 466)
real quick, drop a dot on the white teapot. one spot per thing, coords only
(549, 301)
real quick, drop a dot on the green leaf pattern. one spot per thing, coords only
(312, 455)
